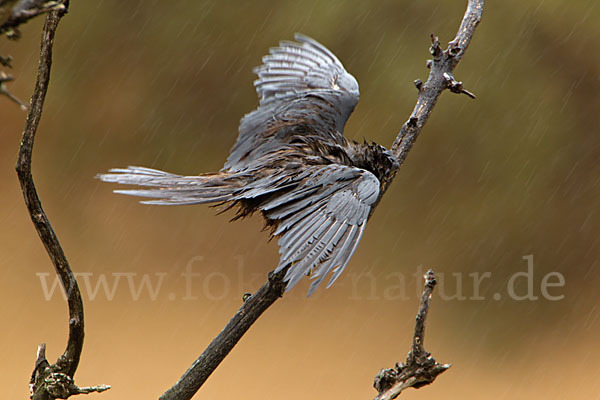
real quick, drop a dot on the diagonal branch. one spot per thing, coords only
(220, 347)
(440, 78)
(56, 380)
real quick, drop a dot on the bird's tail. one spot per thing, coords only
(170, 189)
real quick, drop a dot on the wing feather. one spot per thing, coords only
(299, 83)
(321, 221)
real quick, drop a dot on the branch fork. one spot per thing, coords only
(51, 381)
(46, 383)
(439, 56)
(24, 10)
(420, 368)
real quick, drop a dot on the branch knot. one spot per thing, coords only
(456, 86)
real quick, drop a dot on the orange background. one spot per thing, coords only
(161, 84)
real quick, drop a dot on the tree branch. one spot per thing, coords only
(16, 12)
(5, 92)
(56, 380)
(440, 78)
(420, 369)
(220, 347)
(12, 14)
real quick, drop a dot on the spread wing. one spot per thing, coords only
(321, 221)
(303, 89)
(320, 211)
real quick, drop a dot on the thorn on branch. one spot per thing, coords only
(428, 64)
(40, 365)
(418, 84)
(4, 91)
(456, 86)
(5, 78)
(13, 33)
(61, 386)
(91, 389)
(435, 49)
(6, 61)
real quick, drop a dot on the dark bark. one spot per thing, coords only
(50, 381)
(210, 359)
(12, 14)
(420, 368)
(16, 12)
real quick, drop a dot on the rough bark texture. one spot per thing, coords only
(16, 12)
(50, 381)
(210, 359)
(441, 68)
(420, 368)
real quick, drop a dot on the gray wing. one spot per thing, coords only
(320, 211)
(321, 221)
(303, 88)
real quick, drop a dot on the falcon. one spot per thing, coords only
(315, 188)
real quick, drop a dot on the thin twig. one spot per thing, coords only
(420, 368)
(14, 13)
(56, 380)
(210, 359)
(5, 92)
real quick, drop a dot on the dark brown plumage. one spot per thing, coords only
(291, 162)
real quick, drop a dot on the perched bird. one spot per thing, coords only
(315, 188)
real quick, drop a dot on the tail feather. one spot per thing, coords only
(174, 189)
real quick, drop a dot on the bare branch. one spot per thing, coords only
(14, 13)
(440, 77)
(220, 347)
(40, 221)
(421, 368)
(56, 380)
(4, 91)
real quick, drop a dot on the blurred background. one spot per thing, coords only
(490, 181)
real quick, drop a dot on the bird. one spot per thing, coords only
(315, 188)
